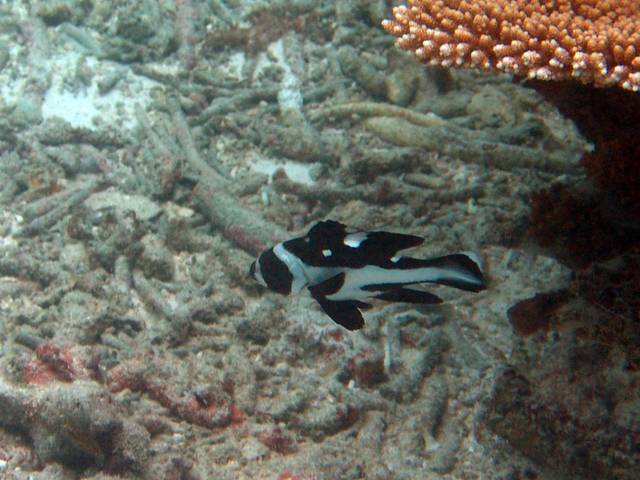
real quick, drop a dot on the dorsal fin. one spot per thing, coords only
(327, 229)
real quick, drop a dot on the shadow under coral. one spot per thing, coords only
(571, 400)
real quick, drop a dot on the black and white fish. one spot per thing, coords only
(342, 270)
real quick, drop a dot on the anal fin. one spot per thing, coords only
(408, 295)
(343, 312)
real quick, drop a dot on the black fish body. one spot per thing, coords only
(342, 270)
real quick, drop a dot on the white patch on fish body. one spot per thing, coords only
(354, 240)
(295, 265)
(327, 252)
(373, 275)
(258, 275)
(475, 258)
(303, 274)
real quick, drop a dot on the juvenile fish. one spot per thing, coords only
(343, 270)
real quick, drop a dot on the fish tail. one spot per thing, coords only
(458, 270)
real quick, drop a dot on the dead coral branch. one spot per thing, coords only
(242, 226)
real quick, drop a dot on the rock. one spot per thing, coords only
(627, 415)
(143, 207)
(85, 318)
(254, 450)
(156, 261)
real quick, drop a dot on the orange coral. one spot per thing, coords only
(594, 41)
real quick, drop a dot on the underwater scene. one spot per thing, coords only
(319, 240)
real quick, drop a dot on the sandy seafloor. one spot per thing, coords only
(135, 346)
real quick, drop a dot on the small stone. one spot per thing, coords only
(401, 86)
(85, 318)
(367, 367)
(74, 258)
(492, 108)
(423, 180)
(4, 55)
(156, 261)
(130, 448)
(627, 415)
(254, 450)
(144, 208)
(253, 331)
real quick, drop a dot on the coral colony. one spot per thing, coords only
(588, 41)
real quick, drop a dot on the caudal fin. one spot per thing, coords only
(459, 270)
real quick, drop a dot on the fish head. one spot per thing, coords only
(271, 272)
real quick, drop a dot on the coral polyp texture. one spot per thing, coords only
(593, 41)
